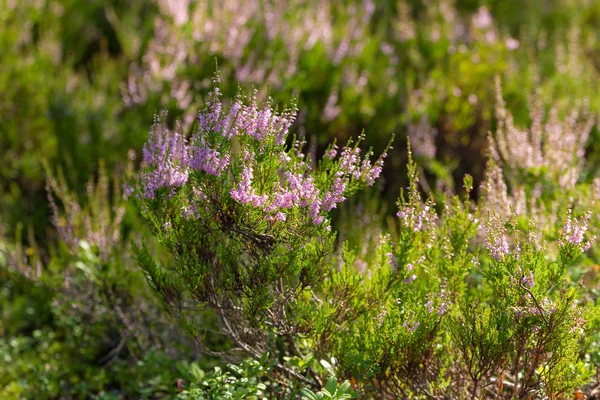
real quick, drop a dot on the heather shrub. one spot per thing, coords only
(239, 194)
(270, 259)
(455, 298)
(99, 315)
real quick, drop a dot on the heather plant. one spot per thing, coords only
(525, 337)
(60, 99)
(395, 344)
(266, 242)
(99, 313)
(101, 285)
(245, 219)
(421, 307)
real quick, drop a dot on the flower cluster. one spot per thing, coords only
(528, 280)
(411, 325)
(546, 307)
(260, 131)
(574, 230)
(440, 306)
(555, 147)
(417, 219)
(299, 189)
(170, 157)
(497, 242)
(167, 153)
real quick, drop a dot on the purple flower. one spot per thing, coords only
(411, 325)
(166, 155)
(429, 303)
(318, 220)
(208, 160)
(280, 216)
(335, 194)
(210, 118)
(349, 160)
(498, 246)
(528, 280)
(442, 308)
(392, 261)
(332, 152)
(574, 230)
(243, 193)
(417, 219)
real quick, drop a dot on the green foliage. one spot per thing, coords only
(473, 292)
(241, 381)
(332, 390)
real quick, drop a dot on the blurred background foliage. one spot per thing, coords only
(80, 83)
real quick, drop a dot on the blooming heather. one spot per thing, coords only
(497, 243)
(285, 181)
(574, 230)
(528, 280)
(167, 155)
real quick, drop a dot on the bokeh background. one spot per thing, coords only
(80, 82)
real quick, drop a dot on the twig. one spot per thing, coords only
(255, 354)
(114, 352)
(537, 304)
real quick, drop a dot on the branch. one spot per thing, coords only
(256, 355)
(537, 304)
(114, 352)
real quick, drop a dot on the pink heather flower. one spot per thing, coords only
(243, 193)
(167, 156)
(417, 220)
(282, 124)
(280, 216)
(373, 173)
(208, 160)
(319, 220)
(410, 279)
(127, 190)
(190, 211)
(283, 199)
(335, 195)
(574, 230)
(314, 209)
(260, 123)
(209, 119)
(482, 19)
(258, 200)
(548, 305)
(411, 326)
(230, 123)
(498, 246)
(444, 304)
(429, 303)
(511, 43)
(349, 160)
(528, 280)
(332, 152)
(257, 122)
(381, 316)
(442, 308)
(392, 261)
(200, 195)
(302, 189)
